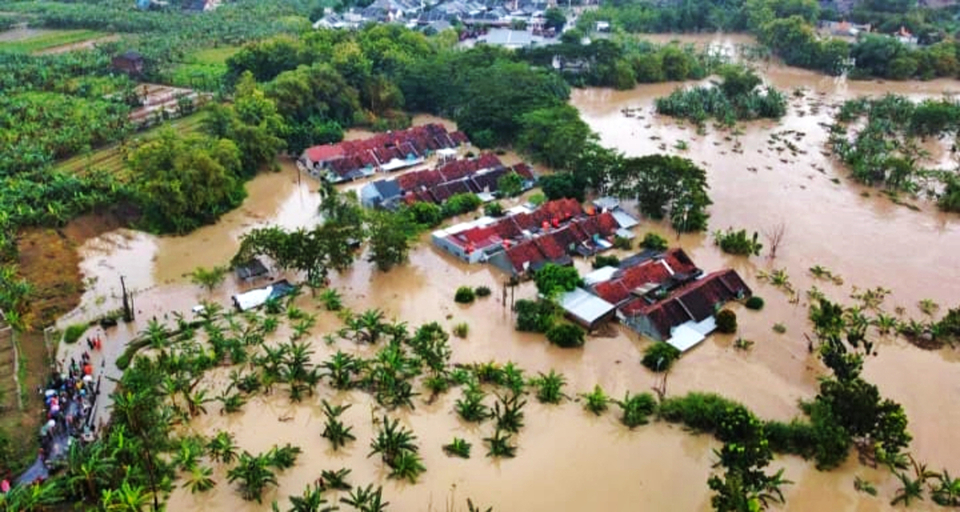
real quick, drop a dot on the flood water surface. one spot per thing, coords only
(568, 459)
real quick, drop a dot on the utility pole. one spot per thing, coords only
(127, 307)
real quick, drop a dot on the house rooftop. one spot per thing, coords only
(584, 306)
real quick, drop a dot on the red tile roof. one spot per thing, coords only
(524, 253)
(550, 247)
(383, 147)
(695, 301)
(626, 280)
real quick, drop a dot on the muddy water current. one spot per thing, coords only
(569, 460)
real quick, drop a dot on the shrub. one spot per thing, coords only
(461, 330)
(755, 303)
(737, 242)
(426, 214)
(73, 332)
(555, 279)
(727, 321)
(482, 291)
(464, 295)
(460, 203)
(660, 356)
(636, 408)
(703, 412)
(622, 243)
(566, 335)
(535, 316)
(493, 209)
(537, 199)
(606, 261)
(654, 241)
(779, 328)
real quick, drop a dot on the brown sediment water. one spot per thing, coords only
(569, 460)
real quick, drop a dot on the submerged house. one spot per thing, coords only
(259, 296)
(685, 317)
(479, 176)
(665, 297)
(384, 152)
(525, 239)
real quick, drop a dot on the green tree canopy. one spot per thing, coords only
(665, 185)
(186, 182)
(554, 135)
(553, 280)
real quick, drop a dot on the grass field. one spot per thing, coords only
(203, 69)
(111, 158)
(49, 40)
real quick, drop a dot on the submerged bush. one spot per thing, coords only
(727, 321)
(755, 303)
(622, 243)
(566, 335)
(606, 261)
(535, 316)
(737, 242)
(464, 295)
(482, 291)
(73, 332)
(461, 330)
(654, 241)
(660, 356)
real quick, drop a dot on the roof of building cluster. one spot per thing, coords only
(645, 276)
(346, 156)
(694, 301)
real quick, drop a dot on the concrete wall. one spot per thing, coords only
(642, 325)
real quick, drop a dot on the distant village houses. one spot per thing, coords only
(385, 152)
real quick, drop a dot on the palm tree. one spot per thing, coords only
(156, 333)
(335, 479)
(196, 401)
(32, 498)
(947, 491)
(222, 447)
(129, 498)
(186, 457)
(470, 406)
(500, 445)
(199, 479)
(596, 401)
(549, 387)
(369, 326)
(341, 368)
(311, 500)
(509, 412)
(89, 469)
(912, 489)
(365, 499)
(254, 474)
(407, 465)
(391, 440)
(335, 431)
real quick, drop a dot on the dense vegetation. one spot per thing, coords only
(886, 150)
(735, 98)
(665, 186)
(788, 29)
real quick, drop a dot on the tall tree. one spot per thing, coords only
(554, 135)
(665, 186)
(390, 235)
(186, 182)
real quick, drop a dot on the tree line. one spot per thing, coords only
(789, 29)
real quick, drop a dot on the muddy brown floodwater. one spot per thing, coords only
(569, 460)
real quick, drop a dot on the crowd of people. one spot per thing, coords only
(69, 399)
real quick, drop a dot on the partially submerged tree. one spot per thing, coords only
(665, 186)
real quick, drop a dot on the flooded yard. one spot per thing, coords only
(567, 458)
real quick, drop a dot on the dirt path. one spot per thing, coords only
(80, 45)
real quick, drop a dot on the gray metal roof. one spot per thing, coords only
(587, 307)
(507, 37)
